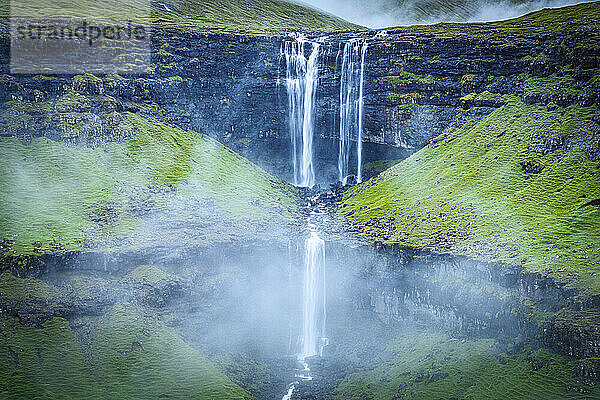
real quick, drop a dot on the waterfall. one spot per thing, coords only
(360, 114)
(301, 82)
(351, 107)
(314, 313)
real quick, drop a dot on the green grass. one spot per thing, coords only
(19, 289)
(57, 196)
(405, 78)
(556, 85)
(376, 167)
(136, 357)
(432, 365)
(270, 15)
(149, 274)
(43, 363)
(578, 25)
(131, 356)
(472, 191)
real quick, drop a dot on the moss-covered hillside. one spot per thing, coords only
(428, 11)
(519, 186)
(57, 197)
(127, 352)
(421, 364)
(255, 15)
(578, 22)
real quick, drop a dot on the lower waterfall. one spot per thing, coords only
(312, 337)
(314, 313)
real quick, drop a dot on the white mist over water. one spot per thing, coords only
(351, 106)
(302, 75)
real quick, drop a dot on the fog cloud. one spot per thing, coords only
(384, 13)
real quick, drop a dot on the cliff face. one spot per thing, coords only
(418, 81)
(231, 87)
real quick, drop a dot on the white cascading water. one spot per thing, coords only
(351, 107)
(360, 114)
(302, 75)
(314, 314)
(314, 307)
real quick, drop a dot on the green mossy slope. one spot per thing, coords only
(254, 15)
(578, 22)
(514, 187)
(425, 11)
(270, 15)
(43, 363)
(55, 196)
(136, 356)
(131, 356)
(432, 365)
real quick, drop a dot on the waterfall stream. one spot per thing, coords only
(301, 82)
(351, 107)
(312, 337)
(314, 304)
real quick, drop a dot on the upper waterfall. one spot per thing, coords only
(301, 82)
(351, 107)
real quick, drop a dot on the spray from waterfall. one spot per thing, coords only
(301, 83)
(351, 107)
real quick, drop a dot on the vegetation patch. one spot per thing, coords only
(57, 196)
(13, 288)
(132, 356)
(136, 356)
(149, 274)
(432, 365)
(45, 362)
(250, 15)
(405, 78)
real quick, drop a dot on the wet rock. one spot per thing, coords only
(588, 371)
(153, 286)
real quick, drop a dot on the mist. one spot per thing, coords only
(387, 13)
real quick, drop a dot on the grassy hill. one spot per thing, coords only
(423, 364)
(261, 15)
(164, 184)
(127, 353)
(422, 11)
(497, 190)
